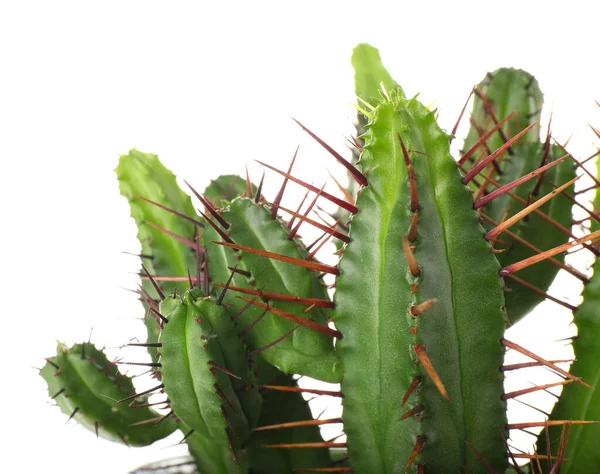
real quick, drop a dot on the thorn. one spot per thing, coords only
(259, 189)
(413, 384)
(212, 211)
(248, 328)
(412, 411)
(418, 309)
(281, 297)
(342, 189)
(217, 229)
(154, 284)
(416, 450)
(145, 344)
(321, 444)
(318, 225)
(490, 111)
(283, 258)
(294, 231)
(57, 393)
(279, 196)
(312, 254)
(524, 365)
(357, 175)
(410, 258)
(181, 239)
(297, 424)
(162, 318)
(525, 391)
(240, 271)
(137, 395)
(462, 112)
(146, 364)
(522, 350)
(541, 292)
(507, 187)
(486, 161)
(414, 198)
(515, 267)
(535, 424)
(230, 440)
(525, 212)
(343, 204)
(291, 222)
(324, 469)
(53, 364)
(483, 460)
(483, 139)
(225, 288)
(286, 388)
(222, 396)
(428, 366)
(172, 211)
(308, 323)
(271, 344)
(412, 233)
(248, 184)
(73, 414)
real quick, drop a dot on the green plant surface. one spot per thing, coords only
(303, 351)
(375, 290)
(86, 386)
(142, 175)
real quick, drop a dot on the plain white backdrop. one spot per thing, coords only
(210, 87)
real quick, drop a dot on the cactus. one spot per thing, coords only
(415, 330)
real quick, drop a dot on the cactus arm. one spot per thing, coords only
(142, 174)
(576, 401)
(203, 397)
(86, 386)
(507, 90)
(304, 351)
(461, 332)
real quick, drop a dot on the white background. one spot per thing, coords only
(209, 89)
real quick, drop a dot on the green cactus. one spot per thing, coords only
(415, 330)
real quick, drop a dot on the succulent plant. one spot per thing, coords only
(425, 287)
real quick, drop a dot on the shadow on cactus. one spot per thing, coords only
(429, 248)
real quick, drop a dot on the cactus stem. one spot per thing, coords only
(321, 444)
(137, 395)
(410, 258)
(154, 284)
(211, 210)
(528, 353)
(525, 391)
(462, 112)
(483, 460)
(541, 292)
(528, 210)
(271, 344)
(283, 258)
(515, 267)
(416, 450)
(295, 424)
(279, 196)
(411, 388)
(281, 297)
(428, 366)
(357, 175)
(414, 198)
(507, 187)
(413, 411)
(418, 309)
(301, 218)
(340, 202)
(524, 365)
(286, 388)
(483, 139)
(487, 160)
(296, 319)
